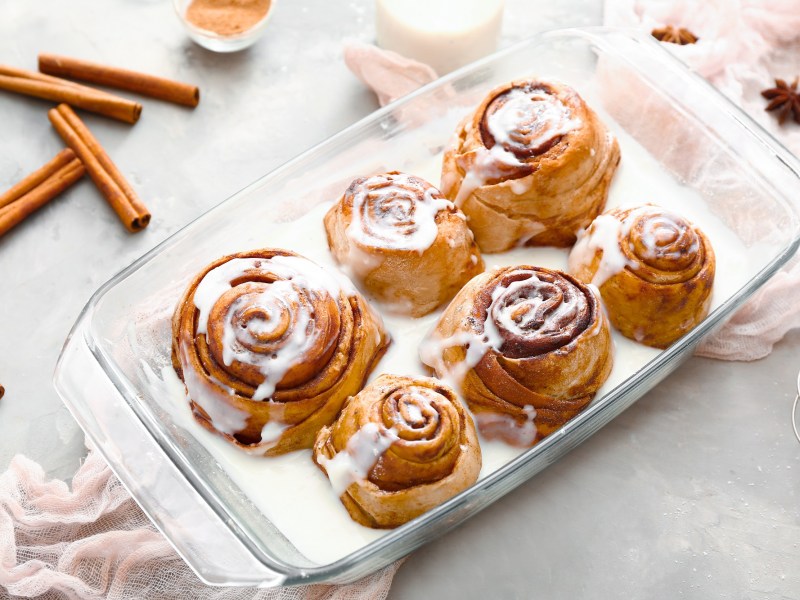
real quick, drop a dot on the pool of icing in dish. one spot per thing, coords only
(296, 496)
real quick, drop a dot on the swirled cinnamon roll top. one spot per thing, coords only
(403, 241)
(528, 347)
(655, 271)
(531, 165)
(400, 447)
(269, 345)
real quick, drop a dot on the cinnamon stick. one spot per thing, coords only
(25, 74)
(40, 194)
(105, 174)
(77, 95)
(37, 177)
(123, 79)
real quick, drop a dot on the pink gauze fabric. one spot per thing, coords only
(387, 73)
(93, 542)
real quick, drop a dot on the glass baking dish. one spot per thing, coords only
(121, 338)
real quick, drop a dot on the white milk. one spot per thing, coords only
(446, 34)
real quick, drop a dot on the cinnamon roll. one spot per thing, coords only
(532, 165)
(527, 346)
(403, 241)
(269, 346)
(400, 447)
(654, 269)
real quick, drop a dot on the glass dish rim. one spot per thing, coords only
(595, 35)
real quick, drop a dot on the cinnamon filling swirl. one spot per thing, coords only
(526, 121)
(535, 311)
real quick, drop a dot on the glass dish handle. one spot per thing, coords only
(198, 535)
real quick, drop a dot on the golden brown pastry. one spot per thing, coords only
(403, 241)
(400, 447)
(654, 269)
(528, 347)
(531, 165)
(269, 346)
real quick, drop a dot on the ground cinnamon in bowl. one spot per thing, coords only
(227, 17)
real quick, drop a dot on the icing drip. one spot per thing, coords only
(489, 165)
(355, 462)
(647, 235)
(532, 229)
(225, 418)
(519, 434)
(272, 431)
(432, 348)
(515, 310)
(527, 315)
(517, 125)
(281, 321)
(532, 313)
(395, 211)
(604, 235)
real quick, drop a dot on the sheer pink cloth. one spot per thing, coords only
(92, 541)
(388, 74)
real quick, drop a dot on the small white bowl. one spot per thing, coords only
(222, 43)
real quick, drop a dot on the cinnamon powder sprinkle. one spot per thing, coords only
(226, 17)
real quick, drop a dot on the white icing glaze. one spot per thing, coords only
(354, 463)
(539, 116)
(415, 408)
(531, 229)
(514, 309)
(517, 315)
(395, 211)
(224, 417)
(431, 348)
(281, 300)
(414, 412)
(215, 283)
(487, 165)
(272, 432)
(521, 434)
(520, 186)
(603, 234)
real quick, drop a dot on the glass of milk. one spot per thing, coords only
(446, 34)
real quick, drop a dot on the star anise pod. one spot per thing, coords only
(674, 35)
(784, 99)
